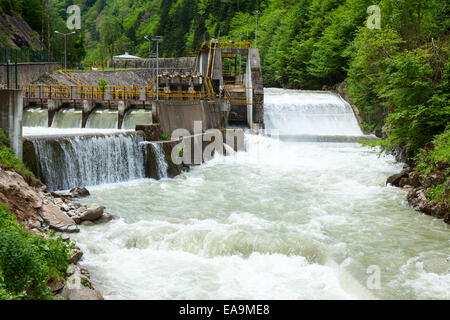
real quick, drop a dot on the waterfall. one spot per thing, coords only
(103, 119)
(67, 118)
(68, 162)
(135, 117)
(161, 163)
(35, 117)
(310, 115)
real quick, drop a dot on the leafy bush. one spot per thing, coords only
(8, 159)
(164, 137)
(27, 262)
(436, 155)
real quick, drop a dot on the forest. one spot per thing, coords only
(397, 75)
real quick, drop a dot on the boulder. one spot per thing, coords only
(57, 219)
(56, 285)
(75, 255)
(417, 199)
(94, 212)
(79, 192)
(80, 287)
(395, 179)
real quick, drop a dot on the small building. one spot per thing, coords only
(126, 61)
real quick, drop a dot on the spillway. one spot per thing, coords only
(103, 119)
(315, 116)
(75, 160)
(136, 117)
(35, 117)
(67, 118)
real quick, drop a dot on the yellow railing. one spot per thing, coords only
(108, 93)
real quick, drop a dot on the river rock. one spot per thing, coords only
(57, 219)
(433, 179)
(55, 285)
(105, 218)
(94, 212)
(80, 287)
(75, 255)
(395, 179)
(79, 192)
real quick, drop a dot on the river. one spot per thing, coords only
(287, 219)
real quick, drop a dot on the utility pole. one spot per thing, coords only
(157, 39)
(256, 13)
(65, 45)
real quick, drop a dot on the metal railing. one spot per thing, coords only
(108, 93)
(26, 55)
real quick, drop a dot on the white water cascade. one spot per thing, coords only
(161, 163)
(89, 160)
(283, 220)
(310, 116)
(67, 118)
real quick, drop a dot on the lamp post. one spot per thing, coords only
(256, 13)
(151, 56)
(240, 55)
(157, 39)
(65, 45)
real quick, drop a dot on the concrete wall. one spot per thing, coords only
(255, 81)
(27, 72)
(174, 115)
(11, 114)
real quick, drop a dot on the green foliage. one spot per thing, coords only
(28, 263)
(102, 83)
(436, 194)
(8, 159)
(164, 137)
(435, 154)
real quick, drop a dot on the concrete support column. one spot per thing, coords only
(52, 106)
(88, 106)
(11, 114)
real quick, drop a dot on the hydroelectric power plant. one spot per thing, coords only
(300, 212)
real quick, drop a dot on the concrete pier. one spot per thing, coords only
(11, 114)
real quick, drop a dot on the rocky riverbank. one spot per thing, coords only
(417, 187)
(43, 212)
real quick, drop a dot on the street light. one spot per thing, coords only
(157, 39)
(256, 13)
(65, 45)
(150, 56)
(240, 55)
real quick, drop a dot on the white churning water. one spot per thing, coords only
(284, 220)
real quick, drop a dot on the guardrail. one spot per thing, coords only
(109, 93)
